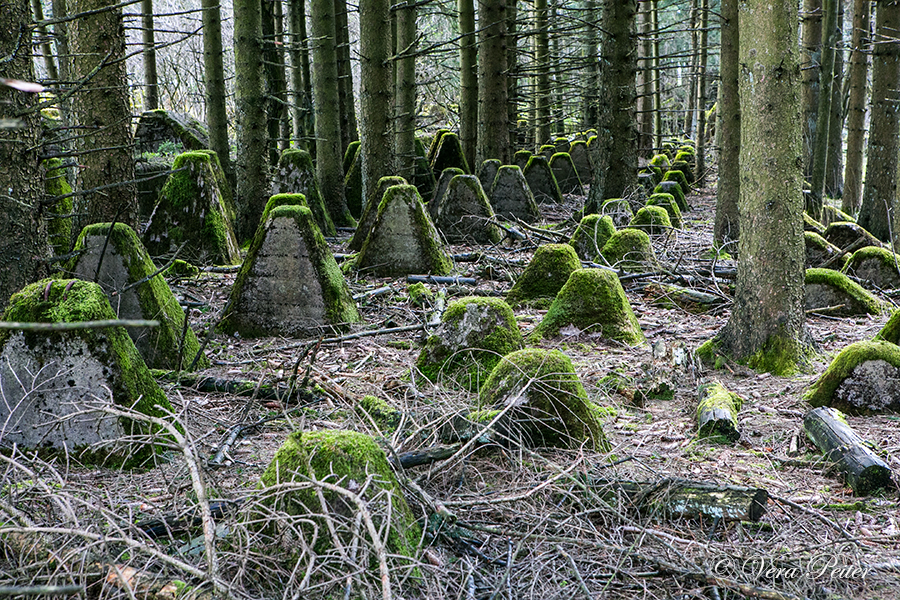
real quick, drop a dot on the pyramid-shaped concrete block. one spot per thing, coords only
(192, 211)
(465, 215)
(566, 176)
(440, 191)
(403, 239)
(57, 387)
(541, 180)
(296, 175)
(370, 211)
(119, 263)
(511, 197)
(289, 284)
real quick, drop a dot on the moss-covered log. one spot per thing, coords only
(717, 412)
(863, 471)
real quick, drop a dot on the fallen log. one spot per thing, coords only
(441, 279)
(863, 470)
(717, 412)
(238, 387)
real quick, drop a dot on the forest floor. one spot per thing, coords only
(527, 523)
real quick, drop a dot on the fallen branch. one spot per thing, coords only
(78, 325)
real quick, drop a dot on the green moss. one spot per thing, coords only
(591, 234)
(660, 160)
(419, 294)
(714, 397)
(59, 221)
(341, 458)
(592, 299)
(810, 224)
(782, 355)
(282, 200)
(545, 275)
(891, 330)
(154, 296)
(652, 219)
(822, 391)
(181, 268)
(675, 189)
(888, 259)
(71, 301)
(551, 406)
(679, 178)
(629, 249)
(862, 301)
(476, 332)
(667, 201)
(385, 416)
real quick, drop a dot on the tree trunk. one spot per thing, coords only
(275, 84)
(405, 122)
(879, 194)
(468, 80)
(615, 164)
(542, 75)
(809, 69)
(691, 100)
(251, 165)
(46, 50)
(766, 328)
(856, 106)
(102, 107)
(493, 125)
(376, 148)
(657, 80)
(823, 111)
(591, 58)
(728, 129)
(214, 78)
(151, 84)
(512, 78)
(646, 75)
(556, 88)
(700, 164)
(349, 126)
(23, 245)
(834, 161)
(301, 105)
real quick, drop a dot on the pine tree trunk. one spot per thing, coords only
(349, 126)
(23, 245)
(810, 72)
(834, 161)
(376, 98)
(856, 106)
(728, 129)
(766, 328)
(615, 157)
(657, 79)
(46, 50)
(301, 105)
(405, 121)
(591, 58)
(251, 164)
(701, 94)
(214, 77)
(512, 74)
(556, 75)
(276, 86)
(879, 194)
(691, 101)
(823, 110)
(542, 75)
(646, 74)
(468, 80)
(151, 84)
(102, 105)
(493, 125)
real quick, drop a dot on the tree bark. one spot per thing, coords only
(591, 58)
(405, 90)
(349, 125)
(275, 84)
(512, 75)
(214, 78)
(23, 245)
(251, 165)
(376, 98)
(646, 76)
(468, 80)
(542, 75)
(102, 107)
(810, 72)
(46, 50)
(700, 165)
(301, 106)
(823, 110)
(657, 80)
(728, 129)
(766, 328)
(856, 106)
(493, 117)
(834, 162)
(151, 84)
(691, 100)
(879, 194)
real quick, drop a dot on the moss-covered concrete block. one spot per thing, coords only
(521, 158)
(619, 209)
(591, 235)
(487, 172)
(297, 175)
(352, 461)
(891, 330)
(448, 154)
(423, 177)
(547, 151)
(630, 250)
(160, 128)
(679, 178)
(594, 301)
(290, 283)
(546, 402)
(191, 210)
(667, 201)
(844, 233)
(875, 267)
(581, 158)
(124, 274)
(561, 144)
(54, 385)
(541, 180)
(510, 196)
(819, 251)
(403, 239)
(565, 173)
(435, 142)
(475, 333)
(828, 289)
(440, 190)
(685, 168)
(674, 188)
(545, 275)
(652, 219)
(660, 160)
(465, 215)
(385, 416)
(863, 379)
(370, 211)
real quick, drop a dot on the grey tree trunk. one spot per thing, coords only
(512, 71)
(879, 194)
(23, 245)
(701, 94)
(349, 126)
(646, 76)
(591, 57)
(766, 328)
(151, 83)
(493, 117)
(251, 164)
(376, 97)
(46, 49)
(98, 58)
(823, 111)
(728, 129)
(468, 80)
(275, 83)
(811, 42)
(834, 161)
(214, 77)
(657, 83)
(556, 74)
(542, 75)
(690, 116)
(856, 106)
(301, 106)
(405, 90)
